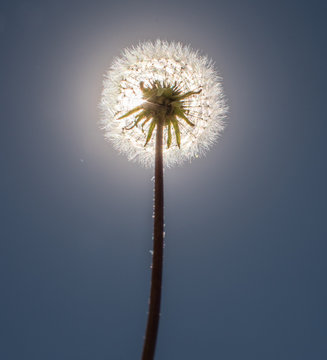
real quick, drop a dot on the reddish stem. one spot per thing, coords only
(157, 258)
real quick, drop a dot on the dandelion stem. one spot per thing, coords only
(157, 257)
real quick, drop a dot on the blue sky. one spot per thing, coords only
(245, 264)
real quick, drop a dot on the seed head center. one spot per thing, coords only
(164, 105)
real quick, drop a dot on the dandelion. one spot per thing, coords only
(162, 104)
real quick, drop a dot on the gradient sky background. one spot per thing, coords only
(245, 257)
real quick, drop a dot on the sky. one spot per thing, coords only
(245, 250)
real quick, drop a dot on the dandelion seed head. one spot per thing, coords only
(170, 63)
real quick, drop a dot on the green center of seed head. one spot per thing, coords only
(164, 105)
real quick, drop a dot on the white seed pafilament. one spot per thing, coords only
(164, 63)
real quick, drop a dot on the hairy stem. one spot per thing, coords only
(157, 258)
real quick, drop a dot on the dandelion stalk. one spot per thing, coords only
(157, 257)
